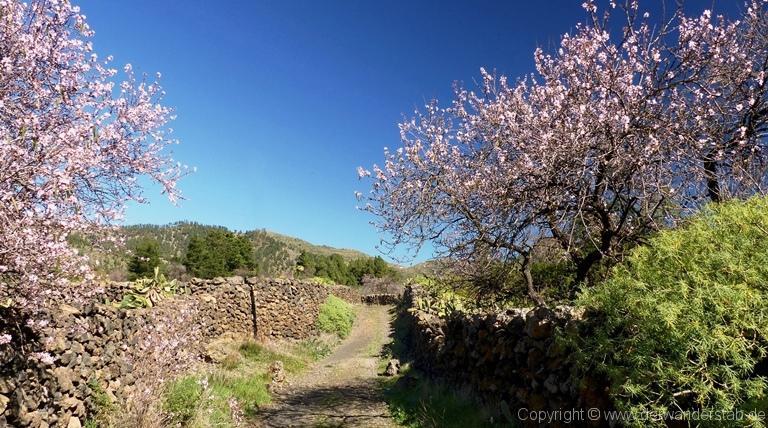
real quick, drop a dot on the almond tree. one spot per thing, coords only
(618, 133)
(75, 135)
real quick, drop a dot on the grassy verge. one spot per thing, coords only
(415, 401)
(233, 391)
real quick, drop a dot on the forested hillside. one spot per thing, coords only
(273, 254)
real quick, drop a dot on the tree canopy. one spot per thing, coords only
(75, 136)
(145, 258)
(218, 253)
(334, 268)
(619, 132)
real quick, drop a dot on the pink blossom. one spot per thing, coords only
(609, 140)
(43, 357)
(71, 146)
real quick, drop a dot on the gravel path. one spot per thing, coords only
(341, 390)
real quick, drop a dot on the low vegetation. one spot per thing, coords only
(232, 391)
(336, 316)
(416, 401)
(683, 323)
(147, 292)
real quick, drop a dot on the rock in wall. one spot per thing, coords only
(381, 299)
(511, 356)
(69, 357)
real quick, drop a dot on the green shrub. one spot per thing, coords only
(182, 398)
(683, 322)
(336, 316)
(321, 280)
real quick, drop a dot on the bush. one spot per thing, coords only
(683, 322)
(336, 316)
(182, 398)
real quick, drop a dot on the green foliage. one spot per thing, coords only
(250, 391)
(371, 266)
(684, 321)
(417, 402)
(336, 316)
(314, 349)
(103, 407)
(271, 256)
(182, 398)
(146, 257)
(203, 400)
(334, 268)
(147, 292)
(218, 253)
(441, 305)
(321, 280)
(255, 353)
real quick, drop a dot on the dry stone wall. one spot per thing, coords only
(381, 299)
(73, 357)
(510, 356)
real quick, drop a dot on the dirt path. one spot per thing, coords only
(341, 390)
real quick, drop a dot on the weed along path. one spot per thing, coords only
(342, 390)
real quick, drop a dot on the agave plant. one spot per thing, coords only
(147, 292)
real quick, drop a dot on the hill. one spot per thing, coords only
(275, 254)
(300, 245)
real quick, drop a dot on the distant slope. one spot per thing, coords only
(274, 253)
(429, 268)
(300, 245)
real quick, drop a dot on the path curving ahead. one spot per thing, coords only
(342, 390)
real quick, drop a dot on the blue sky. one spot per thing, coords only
(278, 102)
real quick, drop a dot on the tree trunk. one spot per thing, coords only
(532, 293)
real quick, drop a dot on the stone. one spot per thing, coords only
(77, 347)
(67, 358)
(74, 422)
(393, 367)
(34, 419)
(236, 280)
(207, 298)
(68, 310)
(277, 373)
(64, 377)
(551, 384)
(539, 327)
(6, 386)
(75, 405)
(3, 403)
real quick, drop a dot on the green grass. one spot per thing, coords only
(314, 349)
(104, 408)
(416, 402)
(255, 353)
(202, 399)
(321, 280)
(336, 316)
(182, 398)
(250, 390)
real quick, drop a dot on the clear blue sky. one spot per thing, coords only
(278, 102)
